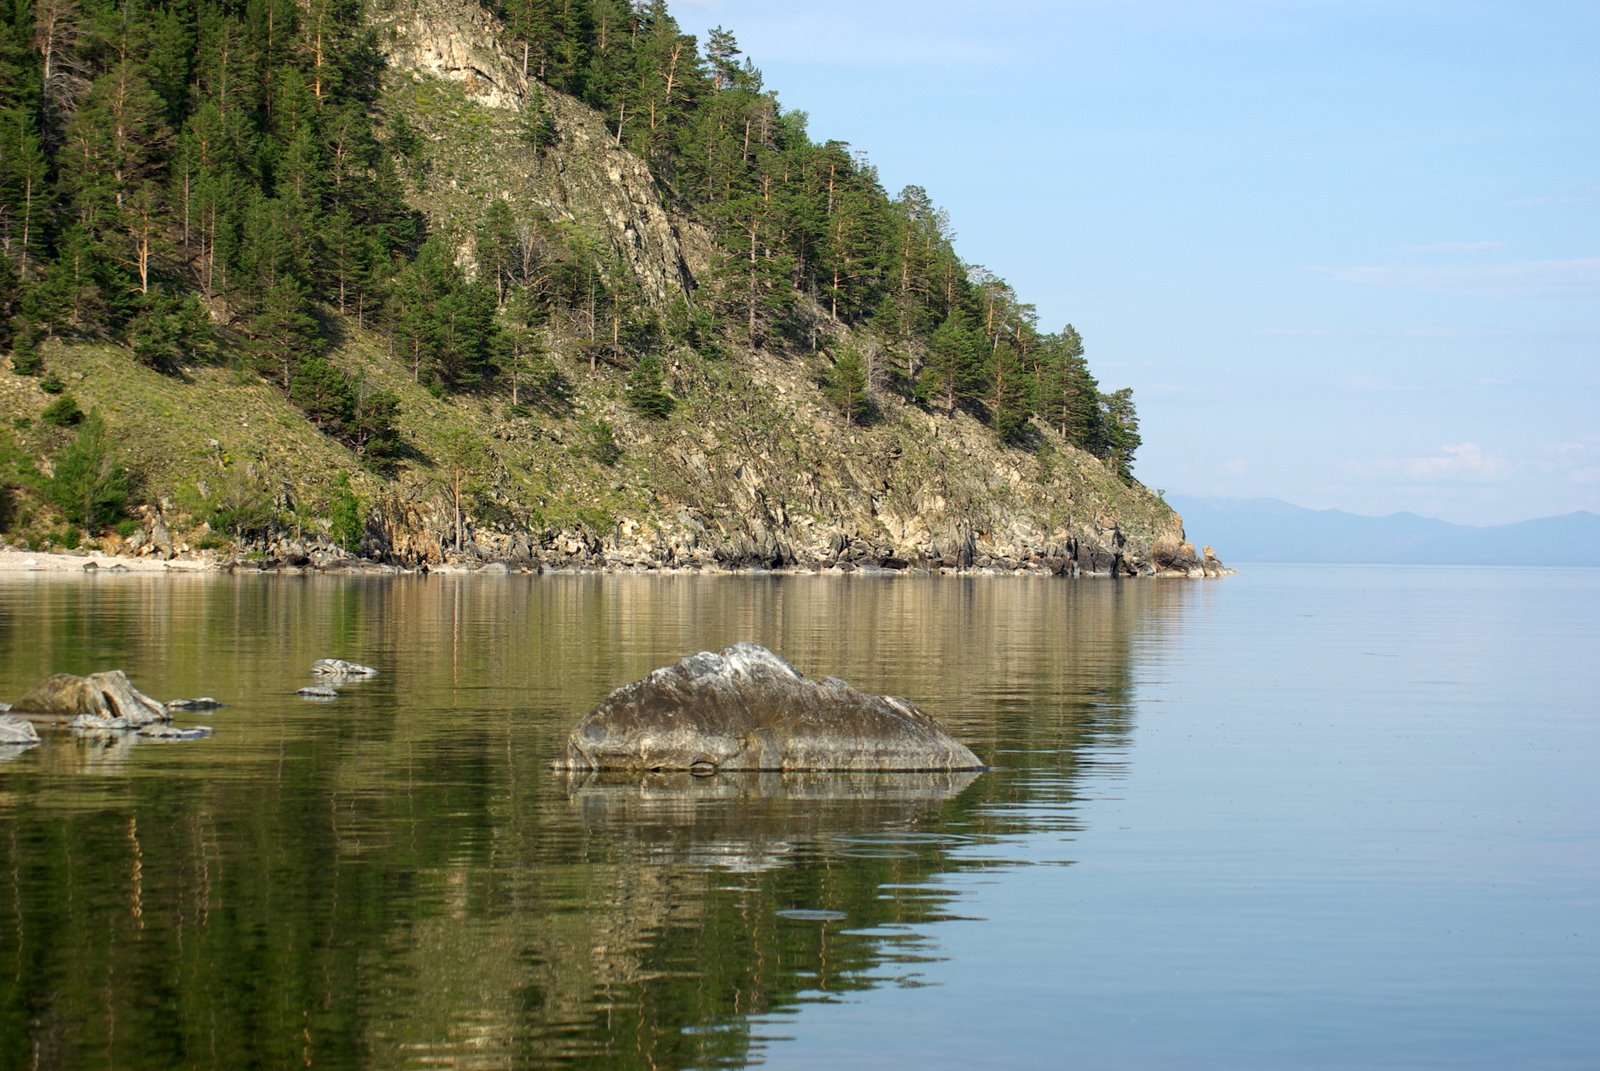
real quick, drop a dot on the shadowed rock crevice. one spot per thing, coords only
(748, 709)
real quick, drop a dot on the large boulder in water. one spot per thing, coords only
(748, 709)
(99, 701)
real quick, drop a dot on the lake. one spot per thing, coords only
(1303, 817)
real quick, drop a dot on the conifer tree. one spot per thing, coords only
(1120, 427)
(90, 483)
(646, 392)
(845, 384)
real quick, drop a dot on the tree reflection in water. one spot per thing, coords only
(396, 879)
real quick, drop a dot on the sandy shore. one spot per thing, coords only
(38, 561)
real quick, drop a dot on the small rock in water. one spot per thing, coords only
(17, 732)
(317, 691)
(340, 669)
(173, 732)
(203, 703)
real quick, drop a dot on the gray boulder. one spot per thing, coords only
(748, 709)
(99, 701)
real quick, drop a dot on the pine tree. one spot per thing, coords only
(646, 392)
(23, 192)
(89, 483)
(443, 322)
(845, 384)
(1120, 423)
(1009, 391)
(955, 359)
(281, 328)
(498, 248)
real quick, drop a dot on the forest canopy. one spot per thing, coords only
(208, 180)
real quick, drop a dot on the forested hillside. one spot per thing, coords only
(436, 231)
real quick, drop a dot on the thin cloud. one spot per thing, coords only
(1454, 248)
(1454, 463)
(1575, 462)
(1578, 277)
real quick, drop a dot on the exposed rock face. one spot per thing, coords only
(592, 179)
(457, 42)
(748, 709)
(99, 701)
(1177, 558)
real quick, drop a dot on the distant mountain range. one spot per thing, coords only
(1270, 530)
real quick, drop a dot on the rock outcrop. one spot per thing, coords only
(748, 709)
(1179, 558)
(99, 701)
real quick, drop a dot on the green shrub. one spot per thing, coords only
(346, 518)
(62, 413)
(243, 505)
(645, 391)
(25, 359)
(90, 484)
(601, 443)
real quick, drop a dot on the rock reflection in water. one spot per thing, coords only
(752, 822)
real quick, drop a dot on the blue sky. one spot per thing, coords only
(1345, 253)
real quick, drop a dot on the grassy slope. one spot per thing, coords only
(750, 446)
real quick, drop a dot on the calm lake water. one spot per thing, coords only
(1304, 817)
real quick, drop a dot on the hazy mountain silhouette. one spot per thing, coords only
(1270, 530)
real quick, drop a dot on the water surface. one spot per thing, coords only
(1301, 817)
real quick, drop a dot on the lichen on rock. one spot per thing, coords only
(748, 709)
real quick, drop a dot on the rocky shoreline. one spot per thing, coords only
(295, 558)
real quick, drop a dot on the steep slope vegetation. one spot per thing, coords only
(636, 396)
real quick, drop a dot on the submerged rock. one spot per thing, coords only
(204, 702)
(161, 731)
(748, 709)
(17, 731)
(99, 701)
(339, 669)
(317, 691)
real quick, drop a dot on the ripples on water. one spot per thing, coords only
(1271, 821)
